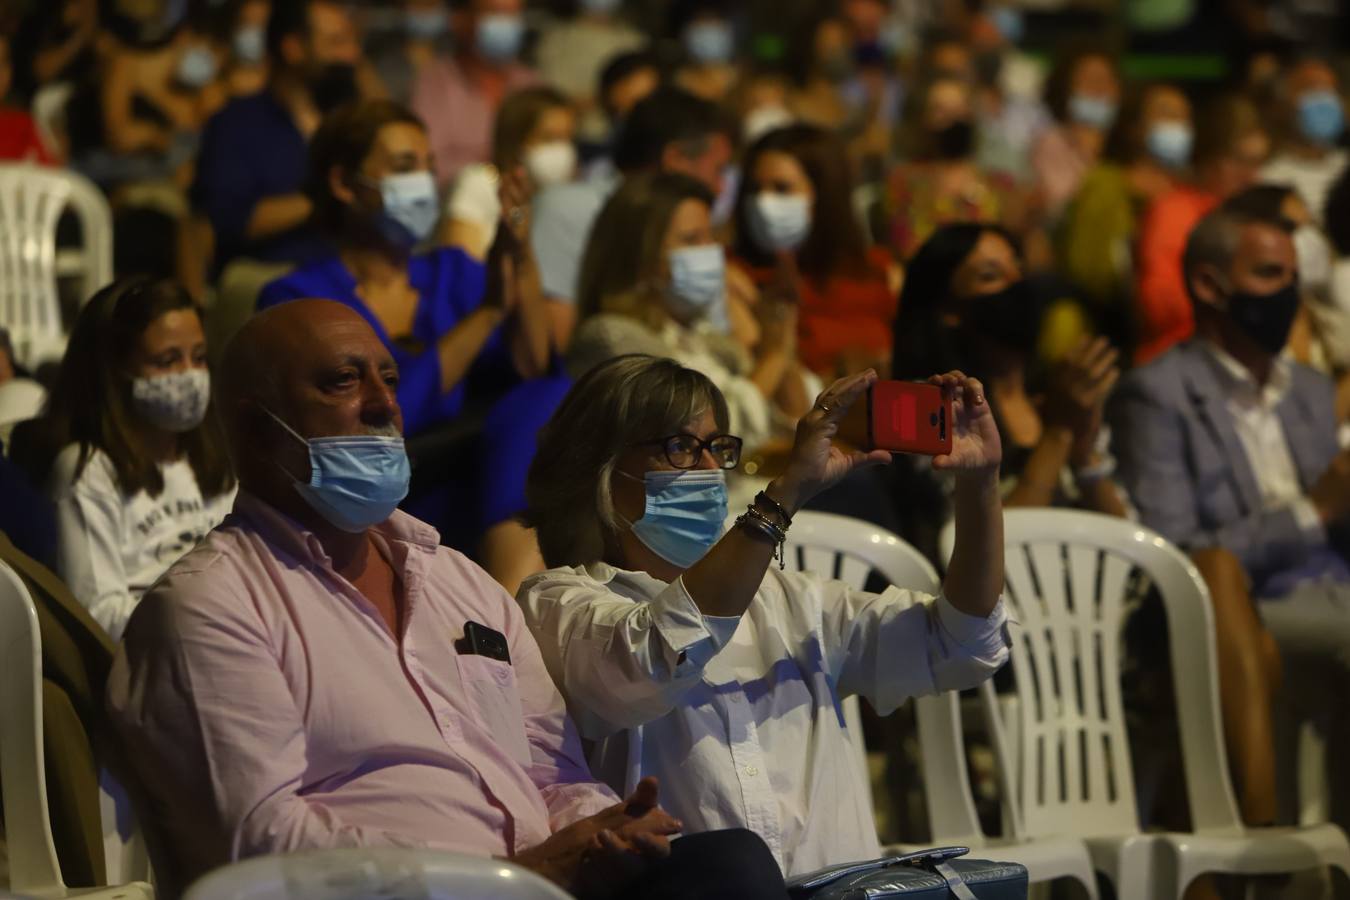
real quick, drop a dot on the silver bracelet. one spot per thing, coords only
(757, 521)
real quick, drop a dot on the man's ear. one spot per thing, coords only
(339, 186)
(1207, 285)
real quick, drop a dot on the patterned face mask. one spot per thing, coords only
(175, 401)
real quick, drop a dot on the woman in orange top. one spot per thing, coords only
(1231, 145)
(797, 237)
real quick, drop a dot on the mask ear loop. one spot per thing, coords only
(295, 434)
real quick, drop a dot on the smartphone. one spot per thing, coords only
(900, 416)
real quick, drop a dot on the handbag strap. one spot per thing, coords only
(959, 889)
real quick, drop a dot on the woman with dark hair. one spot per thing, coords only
(965, 297)
(463, 333)
(143, 474)
(797, 233)
(1082, 92)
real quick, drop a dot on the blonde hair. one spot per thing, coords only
(623, 254)
(619, 403)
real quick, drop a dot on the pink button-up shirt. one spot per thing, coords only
(459, 113)
(266, 707)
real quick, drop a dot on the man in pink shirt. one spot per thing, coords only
(458, 97)
(319, 672)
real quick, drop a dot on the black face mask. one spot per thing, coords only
(1012, 317)
(332, 86)
(1265, 318)
(955, 141)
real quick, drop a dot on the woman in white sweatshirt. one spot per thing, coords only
(141, 474)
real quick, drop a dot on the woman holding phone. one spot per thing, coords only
(684, 653)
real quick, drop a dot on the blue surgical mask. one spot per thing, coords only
(411, 207)
(779, 222)
(1095, 112)
(250, 44)
(684, 514)
(355, 481)
(1170, 143)
(710, 42)
(426, 24)
(499, 37)
(196, 67)
(1321, 118)
(698, 286)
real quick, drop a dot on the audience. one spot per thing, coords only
(420, 713)
(653, 281)
(636, 622)
(1310, 116)
(141, 475)
(423, 36)
(1082, 93)
(535, 128)
(940, 181)
(573, 53)
(464, 334)
(732, 187)
(251, 171)
(1224, 443)
(458, 95)
(671, 131)
(798, 236)
(1098, 231)
(1232, 146)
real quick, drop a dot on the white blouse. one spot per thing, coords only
(740, 718)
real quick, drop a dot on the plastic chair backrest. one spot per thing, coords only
(1067, 578)
(33, 866)
(369, 873)
(850, 550)
(32, 199)
(20, 398)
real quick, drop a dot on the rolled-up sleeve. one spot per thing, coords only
(619, 662)
(899, 644)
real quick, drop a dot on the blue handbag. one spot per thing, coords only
(934, 874)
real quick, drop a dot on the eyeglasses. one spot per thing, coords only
(683, 451)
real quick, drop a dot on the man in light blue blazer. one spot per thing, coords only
(1223, 442)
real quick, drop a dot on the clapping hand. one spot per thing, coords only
(1078, 394)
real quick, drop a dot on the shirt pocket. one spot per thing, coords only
(491, 687)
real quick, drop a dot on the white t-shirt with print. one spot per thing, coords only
(113, 546)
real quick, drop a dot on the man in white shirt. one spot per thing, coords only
(1313, 119)
(1224, 442)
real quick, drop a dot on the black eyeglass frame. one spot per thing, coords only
(668, 444)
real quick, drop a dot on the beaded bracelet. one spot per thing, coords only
(754, 519)
(763, 498)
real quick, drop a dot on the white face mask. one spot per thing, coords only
(779, 222)
(698, 283)
(175, 401)
(1314, 258)
(551, 163)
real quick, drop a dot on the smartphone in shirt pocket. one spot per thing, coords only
(490, 683)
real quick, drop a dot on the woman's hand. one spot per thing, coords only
(514, 192)
(816, 463)
(976, 447)
(1082, 383)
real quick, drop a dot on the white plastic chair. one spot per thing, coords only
(373, 874)
(32, 199)
(20, 399)
(1067, 575)
(33, 866)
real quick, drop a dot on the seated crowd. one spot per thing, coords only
(430, 458)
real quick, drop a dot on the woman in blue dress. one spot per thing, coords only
(466, 335)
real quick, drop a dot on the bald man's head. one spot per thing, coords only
(317, 366)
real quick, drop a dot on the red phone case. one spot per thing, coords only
(909, 417)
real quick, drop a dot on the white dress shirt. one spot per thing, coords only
(740, 718)
(1259, 430)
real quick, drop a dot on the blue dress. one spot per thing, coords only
(450, 284)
